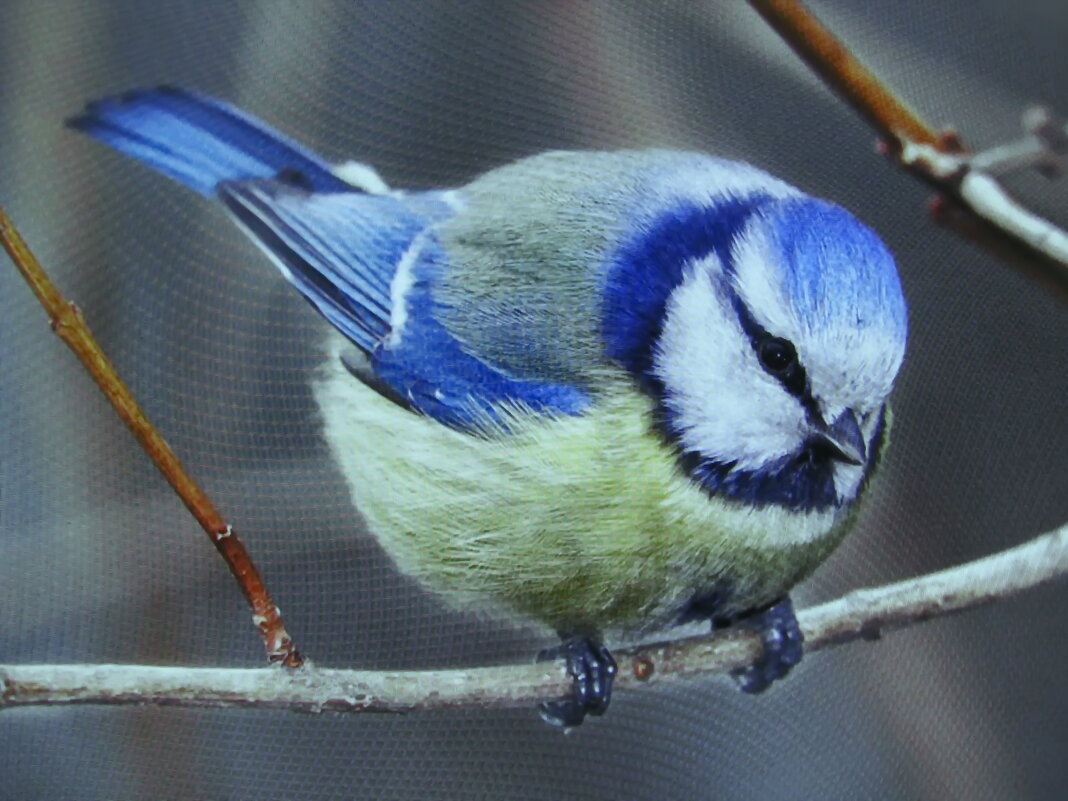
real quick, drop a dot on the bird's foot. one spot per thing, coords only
(592, 669)
(783, 647)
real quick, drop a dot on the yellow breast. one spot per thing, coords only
(581, 522)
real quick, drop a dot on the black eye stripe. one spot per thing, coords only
(791, 374)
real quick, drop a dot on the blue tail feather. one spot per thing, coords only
(340, 245)
(201, 141)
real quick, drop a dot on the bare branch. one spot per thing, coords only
(978, 207)
(987, 198)
(70, 326)
(969, 184)
(863, 614)
(836, 65)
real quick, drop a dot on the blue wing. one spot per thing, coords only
(354, 256)
(369, 263)
(340, 250)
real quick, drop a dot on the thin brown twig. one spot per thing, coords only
(902, 131)
(862, 614)
(70, 326)
(845, 73)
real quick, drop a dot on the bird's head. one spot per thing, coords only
(770, 330)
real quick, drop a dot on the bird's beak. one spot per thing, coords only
(843, 439)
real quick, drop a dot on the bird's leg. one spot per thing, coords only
(778, 628)
(783, 646)
(592, 669)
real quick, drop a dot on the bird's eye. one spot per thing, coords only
(777, 355)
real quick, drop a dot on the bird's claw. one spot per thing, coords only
(592, 669)
(783, 647)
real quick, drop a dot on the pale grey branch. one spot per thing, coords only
(860, 614)
(973, 178)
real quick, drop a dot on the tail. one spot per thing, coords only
(338, 241)
(201, 141)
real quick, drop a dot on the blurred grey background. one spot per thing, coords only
(100, 563)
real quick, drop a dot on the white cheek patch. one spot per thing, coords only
(723, 405)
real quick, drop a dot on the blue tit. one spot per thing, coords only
(605, 391)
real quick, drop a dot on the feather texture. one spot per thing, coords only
(582, 522)
(565, 402)
(370, 263)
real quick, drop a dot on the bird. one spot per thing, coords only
(606, 391)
